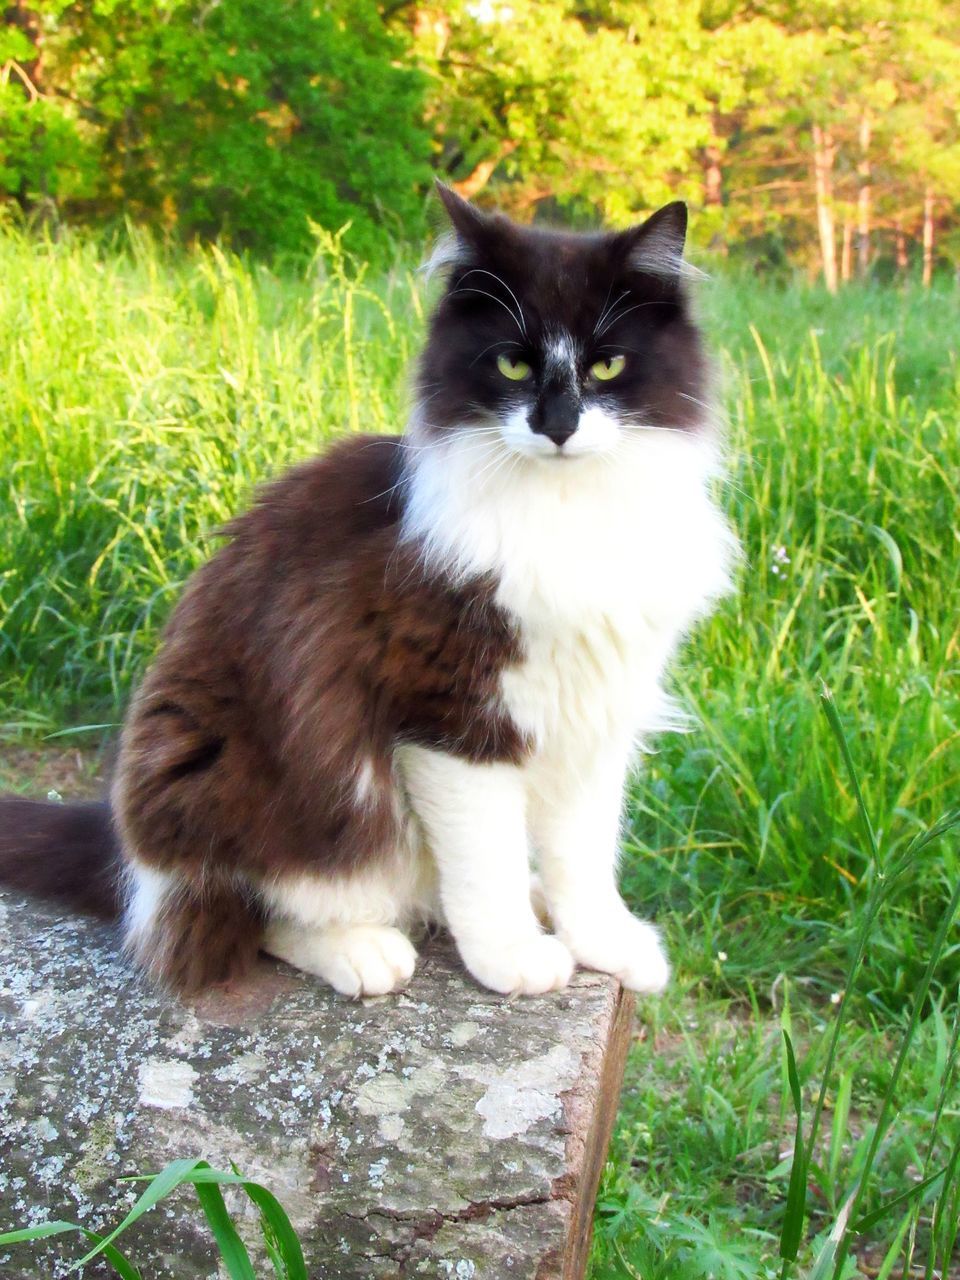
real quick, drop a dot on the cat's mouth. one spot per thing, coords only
(595, 431)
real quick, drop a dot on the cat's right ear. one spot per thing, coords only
(464, 243)
(468, 222)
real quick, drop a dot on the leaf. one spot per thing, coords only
(892, 550)
(232, 1249)
(282, 1242)
(792, 1229)
(39, 1232)
(905, 1197)
(167, 1180)
(833, 718)
(826, 1259)
(285, 1244)
(123, 1268)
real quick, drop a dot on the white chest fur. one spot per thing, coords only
(602, 561)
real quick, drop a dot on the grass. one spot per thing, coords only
(275, 1230)
(143, 396)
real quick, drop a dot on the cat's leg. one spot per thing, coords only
(575, 825)
(349, 929)
(474, 819)
(190, 936)
(355, 959)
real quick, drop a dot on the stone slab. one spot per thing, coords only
(442, 1132)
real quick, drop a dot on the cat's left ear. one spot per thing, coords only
(656, 246)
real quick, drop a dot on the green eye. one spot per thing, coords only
(515, 370)
(604, 370)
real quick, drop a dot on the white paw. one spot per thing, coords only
(621, 944)
(357, 960)
(527, 966)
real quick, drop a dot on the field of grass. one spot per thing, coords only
(142, 398)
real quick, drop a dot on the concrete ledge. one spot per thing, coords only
(445, 1132)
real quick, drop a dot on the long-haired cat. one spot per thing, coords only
(420, 666)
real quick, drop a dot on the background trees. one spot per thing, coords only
(234, 118)
(826, 132)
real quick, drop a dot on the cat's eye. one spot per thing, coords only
(515, 370)
(604, 370)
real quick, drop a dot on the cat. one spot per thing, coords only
(421, 665)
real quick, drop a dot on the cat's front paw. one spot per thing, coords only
(356, 960)
(624, 946)
(528, 966)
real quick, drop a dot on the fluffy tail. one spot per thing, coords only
(66, 853)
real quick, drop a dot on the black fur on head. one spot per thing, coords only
(581, 322)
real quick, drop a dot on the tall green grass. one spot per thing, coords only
(143, 396)
(141, 400)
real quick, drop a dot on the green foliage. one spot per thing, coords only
(237, 120)
(597, 110)
(612, 107)
(900, 1156)
(247, 120)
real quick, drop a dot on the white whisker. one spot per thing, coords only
(519, 315)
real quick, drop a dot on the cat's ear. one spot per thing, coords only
(465, 243)
(468, 222)
(656, 246)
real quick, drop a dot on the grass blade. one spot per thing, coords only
(833, 717)
(792, 1230)
(904, 1198)
(39, 1232)
(893, 1253)
(167, 1180)
(841, 1114)
(919, 999)
(124, 1269)
(278, 1233)
(944, 1216)
(827, 1259)
(878, 890)
(232, 1249)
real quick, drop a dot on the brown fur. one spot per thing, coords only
(203, 934)
(67, 852)
(309, 645)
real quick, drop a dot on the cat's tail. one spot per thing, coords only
(66, 853)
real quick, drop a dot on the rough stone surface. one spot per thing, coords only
(444, 1132)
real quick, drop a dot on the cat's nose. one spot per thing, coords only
(557, 418)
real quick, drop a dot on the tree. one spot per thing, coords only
(785, 122)
(597, 109)
(244, 120)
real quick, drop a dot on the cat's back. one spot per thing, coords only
(289, 562)
(327, 508)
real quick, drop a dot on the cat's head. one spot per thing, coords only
(561, 345)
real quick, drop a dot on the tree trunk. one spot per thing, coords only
(863, 198)
(481, 174)
(29, 72)
(824, 152)
(486, 1127)
(900, 240)
(927, 237)
(712, 175)
(426, 25)
(846, 257)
